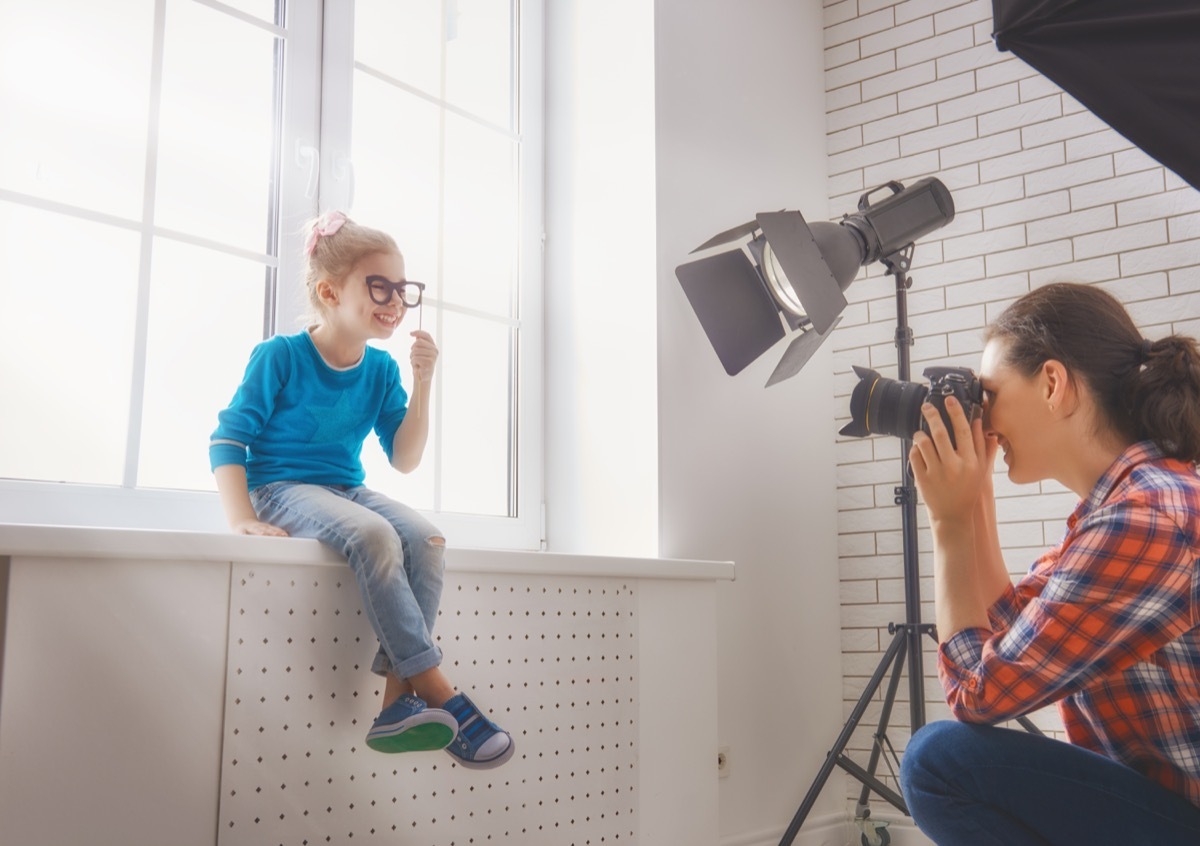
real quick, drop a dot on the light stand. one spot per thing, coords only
(797, 280)
(906, 636)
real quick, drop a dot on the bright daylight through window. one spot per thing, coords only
(158, 159)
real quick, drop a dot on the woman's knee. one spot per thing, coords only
(930, 753)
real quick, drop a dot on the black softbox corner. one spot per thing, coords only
(1135, 64)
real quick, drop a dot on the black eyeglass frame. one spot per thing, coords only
(381, 286)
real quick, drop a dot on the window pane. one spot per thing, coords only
(481, 226)
(479, 59)
(401, 40)
(415, 489)
(74, 93)
(215, 165)
(477, 414)
(69, 289)
(262, 9)
(396, 152)
(206, 314)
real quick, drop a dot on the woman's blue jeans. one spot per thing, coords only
(397, 556)
(971, 785)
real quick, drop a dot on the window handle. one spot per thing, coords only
(310, 157)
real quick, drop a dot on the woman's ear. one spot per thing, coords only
(1057, 389)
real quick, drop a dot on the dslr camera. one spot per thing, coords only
(881, 406)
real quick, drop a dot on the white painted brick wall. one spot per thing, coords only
(1044, 191)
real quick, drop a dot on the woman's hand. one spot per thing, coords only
(953, 481)
(423, 356)
(951, 478)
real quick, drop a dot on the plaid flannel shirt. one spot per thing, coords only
(1106, 624)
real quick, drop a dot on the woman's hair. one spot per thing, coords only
(1145, 390)
(334, 244)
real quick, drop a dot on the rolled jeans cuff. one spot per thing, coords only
(419, 663)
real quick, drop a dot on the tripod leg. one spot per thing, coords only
(862, 810)
(894, 650)
(1029, 725)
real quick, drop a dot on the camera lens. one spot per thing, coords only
(880, 406)
(894, 408)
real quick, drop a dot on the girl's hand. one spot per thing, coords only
(951, 478)
(423, 356)
(258, 527)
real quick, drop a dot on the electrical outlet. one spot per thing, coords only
(722, 761)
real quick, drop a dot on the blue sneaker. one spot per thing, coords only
(408, 725)
(480, 744)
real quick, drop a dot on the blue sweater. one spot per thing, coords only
(295, 418)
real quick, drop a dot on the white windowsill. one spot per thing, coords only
(168, 545)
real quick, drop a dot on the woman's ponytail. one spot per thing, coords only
(1165, 400)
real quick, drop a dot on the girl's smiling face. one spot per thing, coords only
(358, 311)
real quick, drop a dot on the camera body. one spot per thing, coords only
(958, 382)
(891, 407)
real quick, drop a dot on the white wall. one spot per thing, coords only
(1044, 191)
(746, 473)
(601, 425)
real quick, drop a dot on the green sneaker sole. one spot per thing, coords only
(422, 738)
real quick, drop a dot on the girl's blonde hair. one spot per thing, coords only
(334, 244)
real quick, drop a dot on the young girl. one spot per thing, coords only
(286, 459)
(1106, 624)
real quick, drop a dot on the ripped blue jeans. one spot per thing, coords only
(397, 556)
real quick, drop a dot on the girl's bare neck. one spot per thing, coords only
(339, 350)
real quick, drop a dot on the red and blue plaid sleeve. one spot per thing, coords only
(1118, 590)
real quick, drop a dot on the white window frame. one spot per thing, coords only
(315, 174)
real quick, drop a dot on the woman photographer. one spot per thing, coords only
(1106, 624)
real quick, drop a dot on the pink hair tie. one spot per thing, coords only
(326, 224)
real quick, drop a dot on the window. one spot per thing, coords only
(157, 162)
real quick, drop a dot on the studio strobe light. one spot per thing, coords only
(789, 277)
